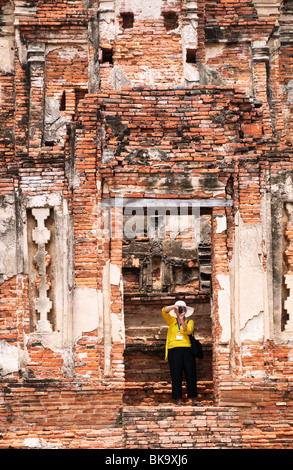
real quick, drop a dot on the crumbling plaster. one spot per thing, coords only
(88, 309)
(249, 283)
(267, 7)
(7, 49)
(87, 312)
(9, 358)
(250, 272)
(150, 9)
(8, 237)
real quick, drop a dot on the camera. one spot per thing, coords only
(180, 309)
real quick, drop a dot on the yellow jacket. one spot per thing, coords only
(171, 341)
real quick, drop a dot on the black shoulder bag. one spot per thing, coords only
(196, 347)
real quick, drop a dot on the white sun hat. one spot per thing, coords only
(181, 303)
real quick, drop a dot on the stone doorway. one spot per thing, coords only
(160, 268)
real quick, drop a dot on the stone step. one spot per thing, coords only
(154, 393)
(181, 427)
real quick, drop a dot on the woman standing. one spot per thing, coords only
(178, 350)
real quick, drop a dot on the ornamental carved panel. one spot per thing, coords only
(41, 252)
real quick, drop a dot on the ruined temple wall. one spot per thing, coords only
(204, 130)
(250, 323)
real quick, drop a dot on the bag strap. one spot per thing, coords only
(192, 332)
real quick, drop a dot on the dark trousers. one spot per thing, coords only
(182, 360)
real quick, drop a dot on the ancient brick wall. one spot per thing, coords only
(145, 157)
(211, 428)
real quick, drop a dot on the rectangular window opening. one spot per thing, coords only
(107, 55)
(127, 20)
(63, 101)
(191, 56)
(170, 20)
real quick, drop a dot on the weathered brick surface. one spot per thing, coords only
(42, 413)
(205, 428)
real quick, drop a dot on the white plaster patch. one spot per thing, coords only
(148, 9)
(148, 75)
(195, 181)
(191, 73)
(251, 294)
(6, 55)
(213, 50)
(43, 200)
(8, 358)
(85, 311)
(189, 35)
(251, 275)
(117, 326)
(221, 224)
(267, 7)
(115, 274)
(224, 306)
(253, 329)
(50, 340)
(37, 443)
(66, 52)
(255, 374)
(8, 263)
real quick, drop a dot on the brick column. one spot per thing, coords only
(260, 62)
(36, 61)
(221, 301)
(113, 299)
(189, 43)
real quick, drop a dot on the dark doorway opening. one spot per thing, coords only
(158, 271)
